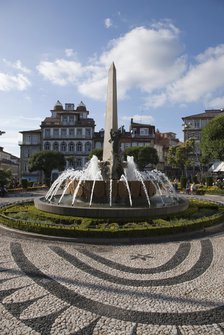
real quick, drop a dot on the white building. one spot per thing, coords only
(67, 130)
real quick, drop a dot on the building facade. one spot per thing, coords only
(11, 163)
(67, 130)
(30, 144)
(163, 141)
(192, 127)
(193, 124)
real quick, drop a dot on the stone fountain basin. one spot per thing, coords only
(104, 211)
(117, 188)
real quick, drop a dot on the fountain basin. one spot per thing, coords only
(100, 190)
(103, 211)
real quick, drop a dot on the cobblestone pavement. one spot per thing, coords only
(51, 287)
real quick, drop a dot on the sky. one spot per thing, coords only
(169, 57)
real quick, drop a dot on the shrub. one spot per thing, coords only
(24, 183)
(183, 181)
(209, 181)
(200, 214)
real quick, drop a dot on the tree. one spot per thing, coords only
(5, 176)
(143, 156)
(212, 140)
(96, 152)
(180, 155)
(46, 161)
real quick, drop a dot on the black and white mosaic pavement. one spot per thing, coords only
(65, 288)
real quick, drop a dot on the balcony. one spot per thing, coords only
(53, 137)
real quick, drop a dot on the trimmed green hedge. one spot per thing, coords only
(26, 217)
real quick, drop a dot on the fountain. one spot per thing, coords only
(112, 188)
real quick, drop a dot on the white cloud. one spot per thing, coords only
(17, 65)
(108, 22)
(200, 82)
(146, 59)
(149, 59)
(69, 52)
(217, 102)
(61, 72)
(9, 82)
(201, 79)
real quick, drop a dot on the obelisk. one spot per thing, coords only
(111, 123)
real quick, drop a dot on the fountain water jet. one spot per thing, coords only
(112, 188)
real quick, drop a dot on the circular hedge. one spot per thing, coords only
(24, 216)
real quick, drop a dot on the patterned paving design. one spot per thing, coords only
(66, 288)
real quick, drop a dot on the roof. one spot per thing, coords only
(136, 124)
(208, 114)
(30, 131)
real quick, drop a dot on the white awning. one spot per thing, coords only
(217, 167)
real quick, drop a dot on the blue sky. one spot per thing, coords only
(169, 56)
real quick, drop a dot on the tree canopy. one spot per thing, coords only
(4, 177)
(179, 155)
(142, 156)
(46, 161)
(96, 152)
(212, 140)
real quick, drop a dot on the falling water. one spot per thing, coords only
(92, 172)
(110, 194)
(91, 195)
(124, 179)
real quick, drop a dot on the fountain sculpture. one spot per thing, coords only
(112, 188)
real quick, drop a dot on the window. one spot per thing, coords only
(47, 133)
(71, 119)
(55, 146)
(69, 107)
(56, 132)
(79, 147)
(71, 147)
(144, 131)
(71, 132)
(70, 163)
(88, 132)
(83, 115)
(47, 146)
(26, 167)
(26, 152)
(63, 132)
(196, 124)
(63, 146)
(87, 147)
(64, 119)
(79, 162)
(79, 132)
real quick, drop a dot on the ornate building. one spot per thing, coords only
(67, 130)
